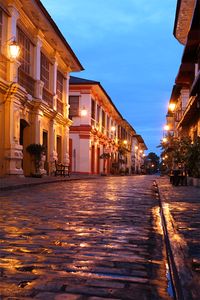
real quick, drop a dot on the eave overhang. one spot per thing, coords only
(183, 18)
(185, 76)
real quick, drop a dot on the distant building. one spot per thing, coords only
(33, 87)
(101, 140)
(183, 115)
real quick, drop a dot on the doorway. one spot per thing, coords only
(59, 148)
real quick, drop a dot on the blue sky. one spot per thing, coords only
(127, 45)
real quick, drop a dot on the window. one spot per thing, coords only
(1, 26)
(26, 49)
(98, 113)
(59, 86)
(108, 123)
(93, 109)
(74, 106)
(103, 120)
(45, 71)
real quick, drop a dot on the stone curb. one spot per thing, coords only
(30, 184)
(182, 274)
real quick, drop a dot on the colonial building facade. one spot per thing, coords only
(183, 115)
(101, 140)
(34, 87)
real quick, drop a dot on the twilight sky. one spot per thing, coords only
(127, 45)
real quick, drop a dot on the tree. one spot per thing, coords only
(152, 162)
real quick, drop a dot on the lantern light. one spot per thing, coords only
(14, 50)
(83, 112)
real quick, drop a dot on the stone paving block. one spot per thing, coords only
(83, 239)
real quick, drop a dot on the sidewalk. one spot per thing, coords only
(13, 182)
(181, 209)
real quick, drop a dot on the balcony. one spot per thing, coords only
(48, 97)
(26, 81)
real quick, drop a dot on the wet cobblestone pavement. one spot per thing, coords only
(97, 239)
(181, 206)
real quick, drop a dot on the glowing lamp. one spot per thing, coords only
(83, 112)
(113, 128)
(164, 140)
(172, 106)
(166, 127)
(14, 50)
(125, 142)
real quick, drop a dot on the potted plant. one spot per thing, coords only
(36, 151)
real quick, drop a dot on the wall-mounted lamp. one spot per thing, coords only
(136, 147)
(172, 106)
(83, 112)
(14, 50)
(166, 127)
(113, 128)
(125, 142)
(164, 140)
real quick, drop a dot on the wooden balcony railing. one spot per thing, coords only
(26, 81)
(48, 97)
(60, 106)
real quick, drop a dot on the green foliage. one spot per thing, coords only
(105, 155)
(35, 149)
(193, 158)
(182, 151)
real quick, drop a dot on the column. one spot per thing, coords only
(37, 67)
(12, 35)
(52, 141)
(13, 151)
(66, 160)
(55, 68)
(66, 96)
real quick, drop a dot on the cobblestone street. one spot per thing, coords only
(92, 240)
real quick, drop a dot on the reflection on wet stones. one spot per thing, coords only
(87, 240)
